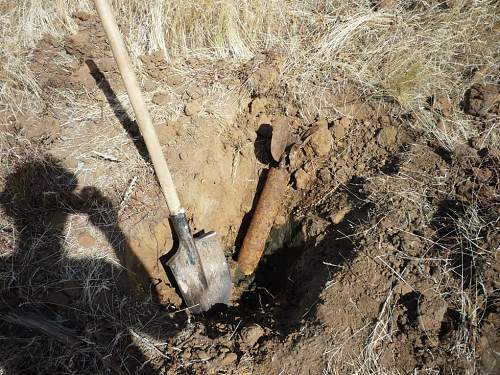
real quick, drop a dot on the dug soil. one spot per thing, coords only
(367, 268)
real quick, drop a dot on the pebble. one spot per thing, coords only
(162, 99)
(86, 240)
(387, 136)
(203, 355)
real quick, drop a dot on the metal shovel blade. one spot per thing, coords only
(202, 273)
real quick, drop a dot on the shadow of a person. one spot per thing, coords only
(40, 280)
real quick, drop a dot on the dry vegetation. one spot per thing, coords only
(404, 52)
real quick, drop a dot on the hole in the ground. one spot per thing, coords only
(286, 287)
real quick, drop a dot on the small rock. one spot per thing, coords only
(301, 179)
(193, 107)
(314, 226)
(162, 99)
(86, 240)
(339, 132)
(149, 85)
(250, 335)
(325, 175)
(174, 80)
(479, 99)
(228, 359)
(296, 157)
(257, 106)
(321, 141)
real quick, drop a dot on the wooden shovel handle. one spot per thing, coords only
(139, 105)
(262, 220)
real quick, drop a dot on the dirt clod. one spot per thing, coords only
(302, 179)
(162, 98)
(480, 100)
(321, 141)
(193, 107)
(250, 335)
(339, 215)
(387, 136)
(228, 359)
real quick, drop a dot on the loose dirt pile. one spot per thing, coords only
(384, 257)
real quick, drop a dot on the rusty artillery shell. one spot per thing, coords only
(262, 220)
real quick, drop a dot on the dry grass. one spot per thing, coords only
(407, 52)
(457, 250)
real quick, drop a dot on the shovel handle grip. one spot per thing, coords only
(139, 105)
(262, 220)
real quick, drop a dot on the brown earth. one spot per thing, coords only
(370, 266)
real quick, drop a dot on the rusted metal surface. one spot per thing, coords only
(262, 220)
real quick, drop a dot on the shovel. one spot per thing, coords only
(199, 265)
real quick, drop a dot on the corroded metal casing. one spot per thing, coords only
(262, 220)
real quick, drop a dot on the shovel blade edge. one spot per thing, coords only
(197, 295)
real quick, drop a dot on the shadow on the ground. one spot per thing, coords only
(129, 125)
(54, 305)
